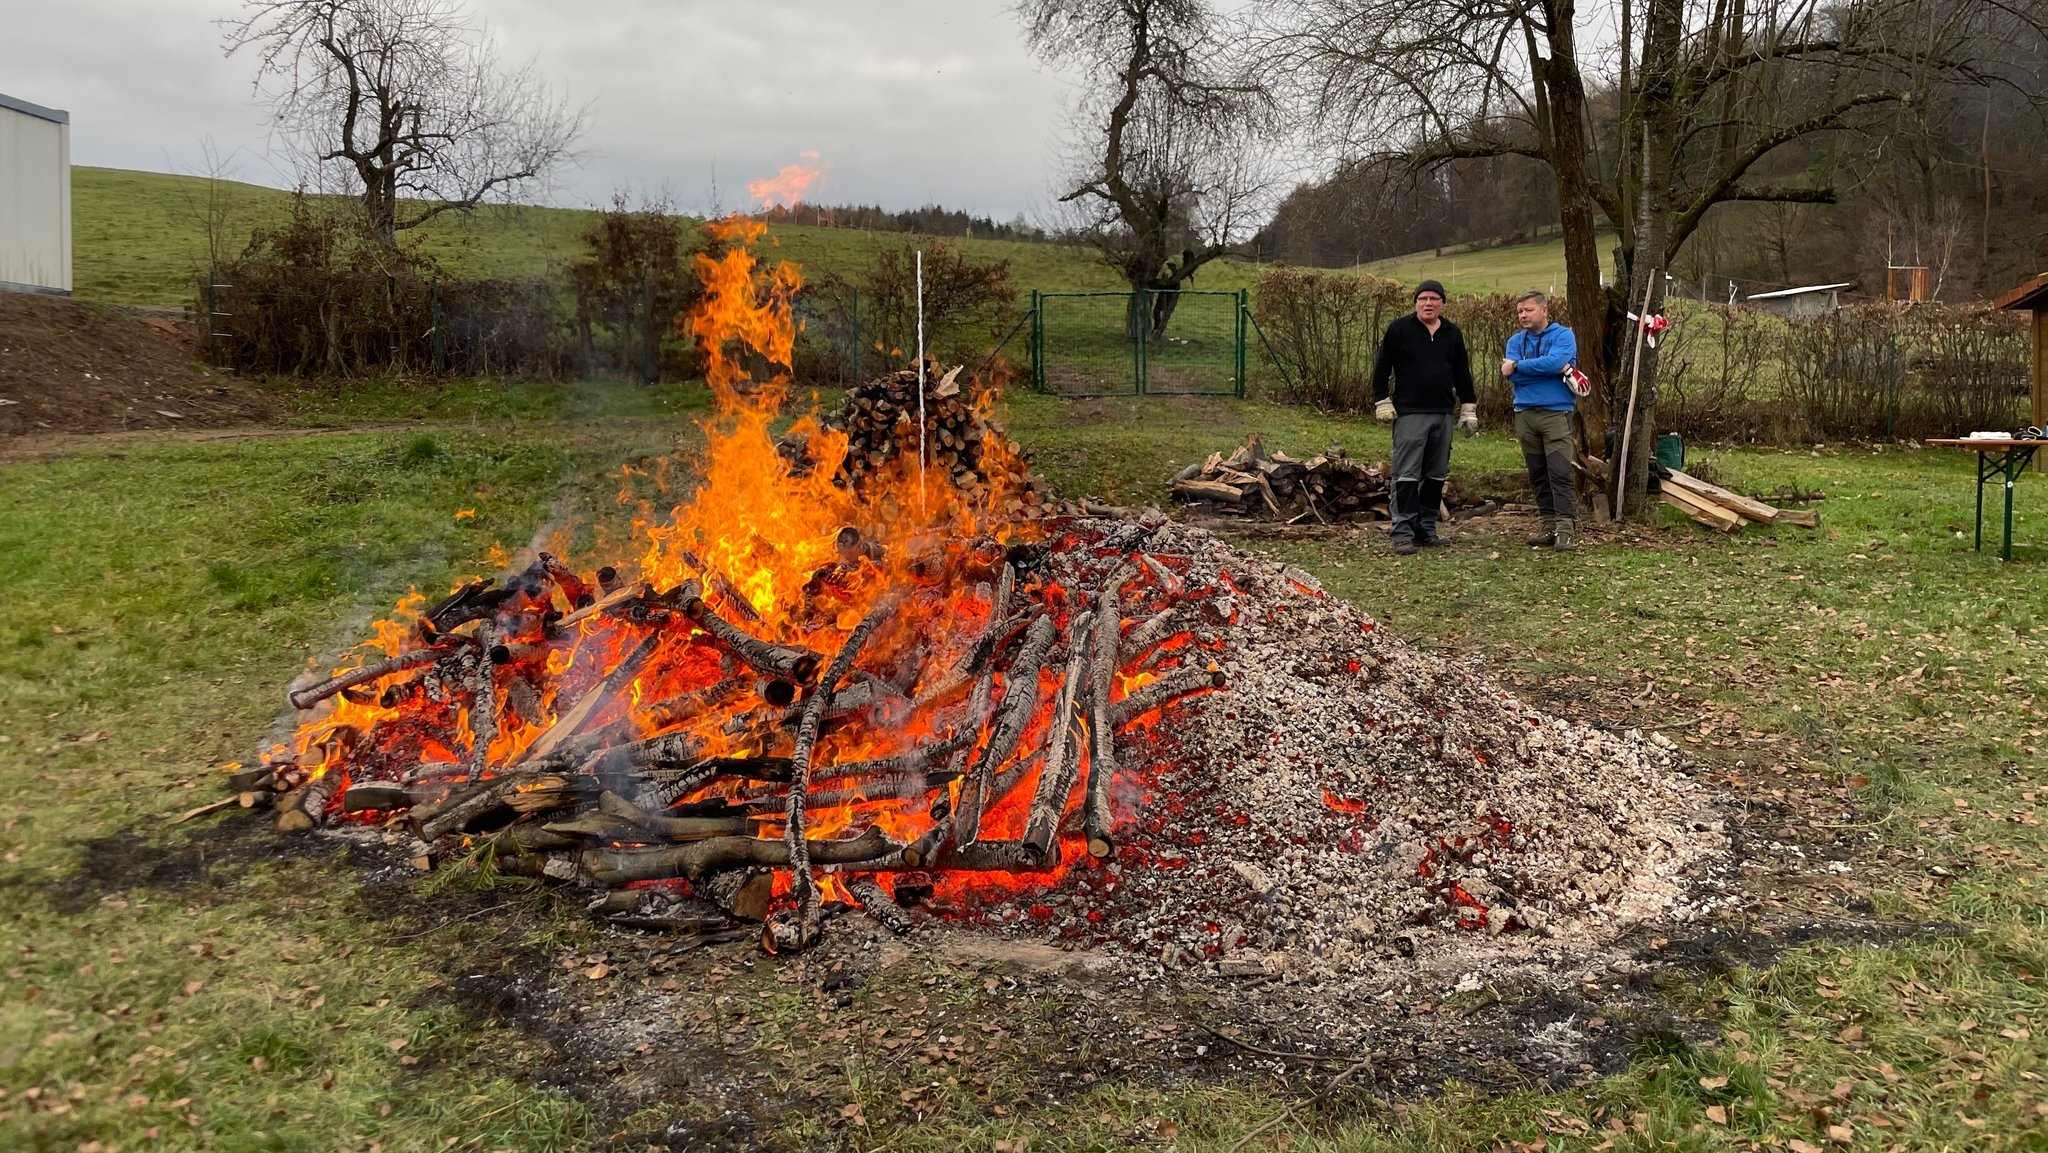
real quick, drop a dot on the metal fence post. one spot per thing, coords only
(212, 310)
(1141, 315)
(440, 350)
(1244, 309)
(1037, 340)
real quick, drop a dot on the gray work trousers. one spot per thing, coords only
(1422, 459)
(1546, 439)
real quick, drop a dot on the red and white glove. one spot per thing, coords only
(1468, 419)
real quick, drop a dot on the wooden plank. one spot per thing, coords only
(1703, 510)
(1741, 505)
(1804, 518)
(1690, 511)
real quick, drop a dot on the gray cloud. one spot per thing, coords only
(905, 101)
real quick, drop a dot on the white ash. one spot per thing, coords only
(1246, 850)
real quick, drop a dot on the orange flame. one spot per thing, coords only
(786, 188)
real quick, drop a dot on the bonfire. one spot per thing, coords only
(822, 671)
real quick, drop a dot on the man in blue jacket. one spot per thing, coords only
(1536, 361)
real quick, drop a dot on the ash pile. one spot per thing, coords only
(1352, 803)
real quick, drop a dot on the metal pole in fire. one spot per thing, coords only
(920, 382)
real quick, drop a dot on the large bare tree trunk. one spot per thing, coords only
(1661, 120)
(1585, 301)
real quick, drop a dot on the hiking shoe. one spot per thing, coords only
(1546, 538)
(1564, 538)
(1404, 547)
(1431, 541)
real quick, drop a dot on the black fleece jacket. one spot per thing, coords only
(1432, 371)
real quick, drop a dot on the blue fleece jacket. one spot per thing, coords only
(1540, 360)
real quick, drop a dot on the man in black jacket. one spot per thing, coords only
(1432, 375)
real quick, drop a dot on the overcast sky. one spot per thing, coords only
(904, 101)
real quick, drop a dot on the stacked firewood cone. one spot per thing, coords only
(880, 419)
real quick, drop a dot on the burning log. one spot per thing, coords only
(459, 808)
(1140, 642)
(1020, 701)
(1098, 818)
(475, 601)
(794, 664)
(876, 902)
(483, 708)
(309, 810)
(1163, 692)
(673, 828)
(1056, 779)
(804, 930)
(573, 589)
(613, 867)
(381, 797)
(743, 893)
(311, 695)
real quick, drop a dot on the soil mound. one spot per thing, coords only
(73, 366)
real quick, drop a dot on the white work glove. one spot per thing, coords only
(1468, 419)
(1384, 411)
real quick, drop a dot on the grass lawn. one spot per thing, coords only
(1869, 693)
(1506, 268)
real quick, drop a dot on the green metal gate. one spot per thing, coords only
(1101, 343)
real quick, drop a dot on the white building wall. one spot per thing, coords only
(35, 197)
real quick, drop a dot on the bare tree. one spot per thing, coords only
(1169, 173)
(1434, 81)
(407, 98)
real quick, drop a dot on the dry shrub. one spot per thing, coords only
(1739, 374)
(319, 296)
(866, 324)
(1968, 371)
(1324, 328)
(1712, 376)
(633, 280)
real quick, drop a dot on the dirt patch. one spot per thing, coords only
(69, 366)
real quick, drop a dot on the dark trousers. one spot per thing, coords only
(1546, 439)
(1422, 459)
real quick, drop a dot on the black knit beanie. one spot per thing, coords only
(1432, 286)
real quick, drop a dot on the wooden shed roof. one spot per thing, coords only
(2031, 295)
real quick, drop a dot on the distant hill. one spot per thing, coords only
(141, 238)
(1507, 268)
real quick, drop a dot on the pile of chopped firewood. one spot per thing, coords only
(880, 418)
(1323, 489)
(1726, 511)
